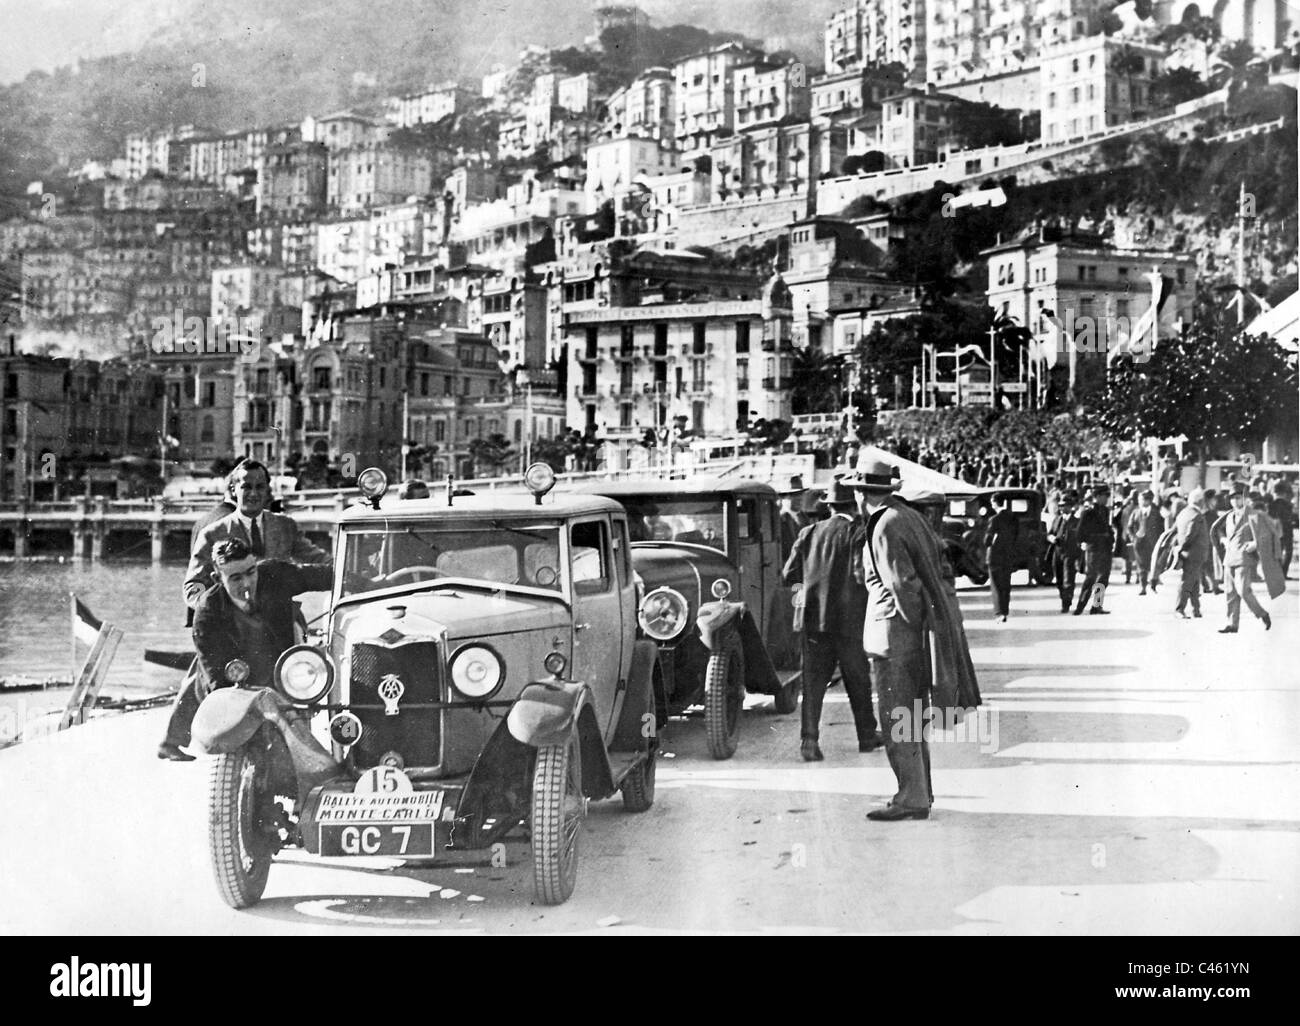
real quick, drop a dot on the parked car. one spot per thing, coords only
(966, 524)
(707, 553)
(481, 671)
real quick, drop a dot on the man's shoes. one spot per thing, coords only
(1078, 612)
(1154, 586)
(1003, 618)
(173, 753)
(1227, 630)
(1143, 591)
(1196, 614)
(1182, 615)
(892, 812)
(810, 751)
(871, 744)
(1099, 612)
(1268, 621)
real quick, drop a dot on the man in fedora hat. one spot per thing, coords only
(825, 561)
(912, 635)
(1097, 539)
(1250, 546)
(793, 517)
(1063, 537)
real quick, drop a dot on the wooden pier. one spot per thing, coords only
(91, 528)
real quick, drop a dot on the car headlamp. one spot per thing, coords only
(555, 663)
(477, 671)
(721, 588)
(663, 614)
(236, 671)
(372, 483)
(304, 674)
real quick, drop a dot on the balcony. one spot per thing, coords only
(768, 344)
(769, 384)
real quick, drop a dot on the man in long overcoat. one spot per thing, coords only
(912, 635)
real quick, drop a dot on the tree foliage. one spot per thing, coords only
(1213, 383)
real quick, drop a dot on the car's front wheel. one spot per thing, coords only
(242, 820)
(558, 807)
(724, 697)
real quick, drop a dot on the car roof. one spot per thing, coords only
(660, 488)
(487, 504)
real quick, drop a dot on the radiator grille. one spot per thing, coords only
(412, 733)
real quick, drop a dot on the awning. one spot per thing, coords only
(1282, 323)
(916, 476)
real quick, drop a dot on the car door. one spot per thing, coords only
(752, 555)
(598, 628)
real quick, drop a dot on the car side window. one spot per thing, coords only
(751, 527)
(622, 553)
(589, 545)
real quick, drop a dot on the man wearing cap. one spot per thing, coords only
(1249, 546)
(1063, 536)
(1191, 548)
(825, 561)
(912, 635)
(1097, 540)
(1143, 529)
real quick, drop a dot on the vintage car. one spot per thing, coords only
(967, 521)
(707, 553)
(481, 672)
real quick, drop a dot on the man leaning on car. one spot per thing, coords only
(249, 615)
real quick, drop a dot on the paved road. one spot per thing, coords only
(1135, 774)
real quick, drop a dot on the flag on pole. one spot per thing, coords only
(85, 626)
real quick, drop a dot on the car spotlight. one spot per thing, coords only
(555, 663)
(236, 671)
(372, 483)
(721, 588)
(540, 479)
(304, 674)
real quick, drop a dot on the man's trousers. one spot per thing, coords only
(821, 653)
(902, 687)
(1237, 583)
(1096, 571)
(1000, 586)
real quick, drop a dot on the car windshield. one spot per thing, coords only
(521, 554)
(701, 521)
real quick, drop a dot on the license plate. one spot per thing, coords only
(401, 839)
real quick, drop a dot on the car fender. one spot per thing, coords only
(639, 702)
(230, 717)
(546, 713)
(721, 620)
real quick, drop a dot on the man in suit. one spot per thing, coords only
(912, 634)
(1063, 536)
(1143, 528)
(1247, 540)
(1192, 548)
(793, 519)
(1001, 547)
(250, 614)
(825, 561)
(1097, 540)
(266, 534)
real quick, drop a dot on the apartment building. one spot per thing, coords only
(705, 93)
(1092, 83)
(616, 163)
(710, 366)
(646, 107)
(769, 91)
(1063, 283)
(343, 130)
(242, 291)
(430, 105)
(293, 181)
(374, 174)
(511, 313)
